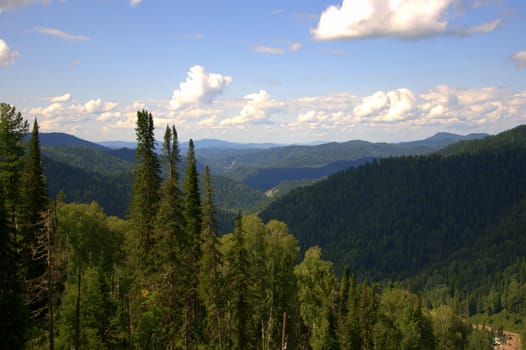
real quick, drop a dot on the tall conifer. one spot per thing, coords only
(210, 278)
(238, 283)
(170, 234)
(13, 315)
(33, 204)
(146, 187)
(192, 249)
(13, 128)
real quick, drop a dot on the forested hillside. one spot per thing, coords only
(163, 278)
(458, 218)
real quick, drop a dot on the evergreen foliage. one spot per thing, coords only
(145, 200)
(33, 203)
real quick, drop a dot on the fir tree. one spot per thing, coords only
(192, 250)
(13, 314)
(145, 199)
(211, 284)
(238, 284)
(13, 128)
(33, 203)
(13, 320)
(170, 240)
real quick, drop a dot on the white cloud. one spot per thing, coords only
(355, 19)
(7, 56)
(268, 49)
(199, 88)
(256, 111)
(60, 34)
(372, 104)
(443, 108)
(93, 105)
(64, 98)
(390, 115)
(135, 3)
(295, 46)
(519, 58)
(6, 5)
(484, 27)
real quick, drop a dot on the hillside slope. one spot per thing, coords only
(400, 217)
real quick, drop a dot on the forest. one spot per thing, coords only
(163, 278)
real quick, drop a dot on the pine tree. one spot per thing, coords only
(145, 201)
(211, 282)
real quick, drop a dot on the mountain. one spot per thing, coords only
(204, 143)
(459, 218)
(245, 170)
(262, 168)
(111, 192)
(62, 139)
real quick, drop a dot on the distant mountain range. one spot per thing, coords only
(205, 143)
(253, 170)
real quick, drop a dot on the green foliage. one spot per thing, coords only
(88, 158)
(211, 280)
(13, 315)
(449, 330)
(316, 289)
(12, 130)
(458, 219)
(33, 203)
(90, 244)
(112, 192)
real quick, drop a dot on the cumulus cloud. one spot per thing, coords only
(7, 56)
(135, 3)
(519, 58)
(64, 98)
(199, 88)
(257, 110)
(60, 34)
(355, 19)
(443, 107)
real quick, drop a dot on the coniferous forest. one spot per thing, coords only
(73, 277)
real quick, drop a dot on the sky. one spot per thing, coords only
(288, 71)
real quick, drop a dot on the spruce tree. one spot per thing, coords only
(192, 201)
(210, 278)
(170, 240)
(13, 319)
(33, 204)
(145, 200)
(13, 314)
(13, 128)
(192, 250)
(238, 284)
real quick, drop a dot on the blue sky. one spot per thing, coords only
(266, 71)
